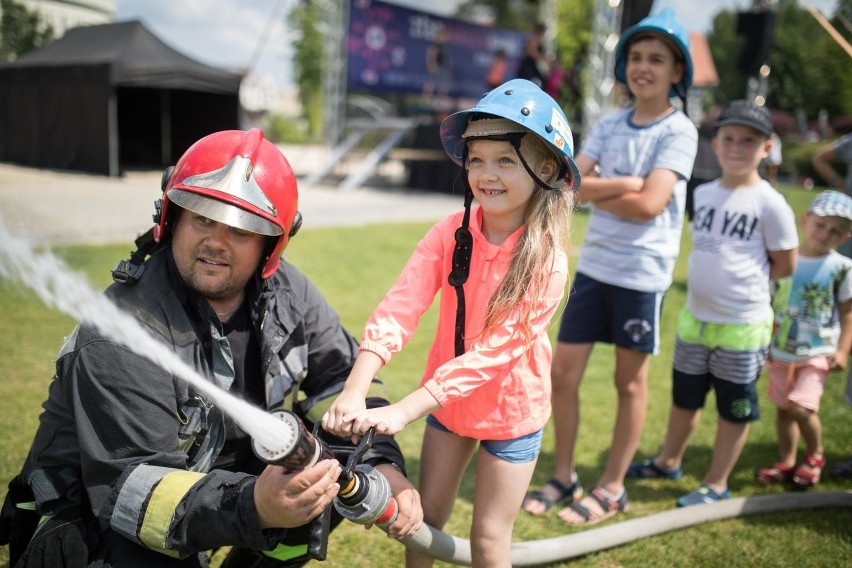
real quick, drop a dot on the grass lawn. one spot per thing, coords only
(354, 267)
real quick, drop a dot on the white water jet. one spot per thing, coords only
(59, 287)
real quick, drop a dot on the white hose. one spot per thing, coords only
(429, 540)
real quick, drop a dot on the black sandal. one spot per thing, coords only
(608, 507)
(567, 494)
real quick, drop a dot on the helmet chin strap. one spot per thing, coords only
(461, 263)
(515, 141)
(129, 271)
(464, 240)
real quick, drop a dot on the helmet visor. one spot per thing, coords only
(223, 212)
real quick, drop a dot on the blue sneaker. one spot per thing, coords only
(648, 469)
(704, 495)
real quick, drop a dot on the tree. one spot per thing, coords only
(308, 20)
(799, 61)
(838, 60)
(809, 70)
(21, 30)
(573, 36)
(573, 31)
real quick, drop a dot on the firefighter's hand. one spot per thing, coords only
(410, 516)
(287, 500)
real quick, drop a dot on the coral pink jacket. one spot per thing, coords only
(500, 387)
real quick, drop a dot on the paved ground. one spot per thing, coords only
(64, 207)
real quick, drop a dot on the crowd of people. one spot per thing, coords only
(101, 487)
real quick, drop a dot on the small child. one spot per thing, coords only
(501, 269)
(744, 234)
(813, 335)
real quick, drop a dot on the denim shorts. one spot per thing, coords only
(517, 450)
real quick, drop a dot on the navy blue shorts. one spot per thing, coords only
(516, 450)
(736, 402)
(598, 312)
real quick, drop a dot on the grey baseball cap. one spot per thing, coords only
(742, 112)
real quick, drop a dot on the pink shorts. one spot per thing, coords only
(801, 382)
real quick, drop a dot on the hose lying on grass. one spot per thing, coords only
(455, 550)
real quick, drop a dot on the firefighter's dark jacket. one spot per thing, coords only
(116, 423)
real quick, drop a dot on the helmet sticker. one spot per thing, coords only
(562, 130)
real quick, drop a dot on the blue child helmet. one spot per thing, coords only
(523, 102)
(666, 25)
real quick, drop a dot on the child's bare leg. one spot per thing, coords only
(500, 489)
(810, 426)
(631, 382)
(443, 459)
(682, 422)
(730, 440)
(569, 364)
(787, 429)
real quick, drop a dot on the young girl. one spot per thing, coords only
(501, 268)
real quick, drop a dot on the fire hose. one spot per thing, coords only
(365, 498)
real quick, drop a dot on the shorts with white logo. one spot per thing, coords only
(598, 312)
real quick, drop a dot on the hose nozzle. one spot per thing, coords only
(299, 448)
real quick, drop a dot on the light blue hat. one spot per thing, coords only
(831, 204)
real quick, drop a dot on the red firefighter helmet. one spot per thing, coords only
(240, 179)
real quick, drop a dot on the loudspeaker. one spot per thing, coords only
(757, 28)
(634, 11)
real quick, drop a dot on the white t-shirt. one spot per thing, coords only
(639, 255)
(807, 321)
(732, 232)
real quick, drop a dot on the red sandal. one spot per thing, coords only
(778, 473)
(808, 474)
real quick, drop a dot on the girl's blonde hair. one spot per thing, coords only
(547, 230)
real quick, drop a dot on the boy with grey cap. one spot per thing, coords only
(744, 235)
(813, 335)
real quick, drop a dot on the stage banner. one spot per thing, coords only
(396, 49)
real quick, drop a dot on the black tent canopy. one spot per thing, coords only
(107, 97)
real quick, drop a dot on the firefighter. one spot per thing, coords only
(131, 466)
